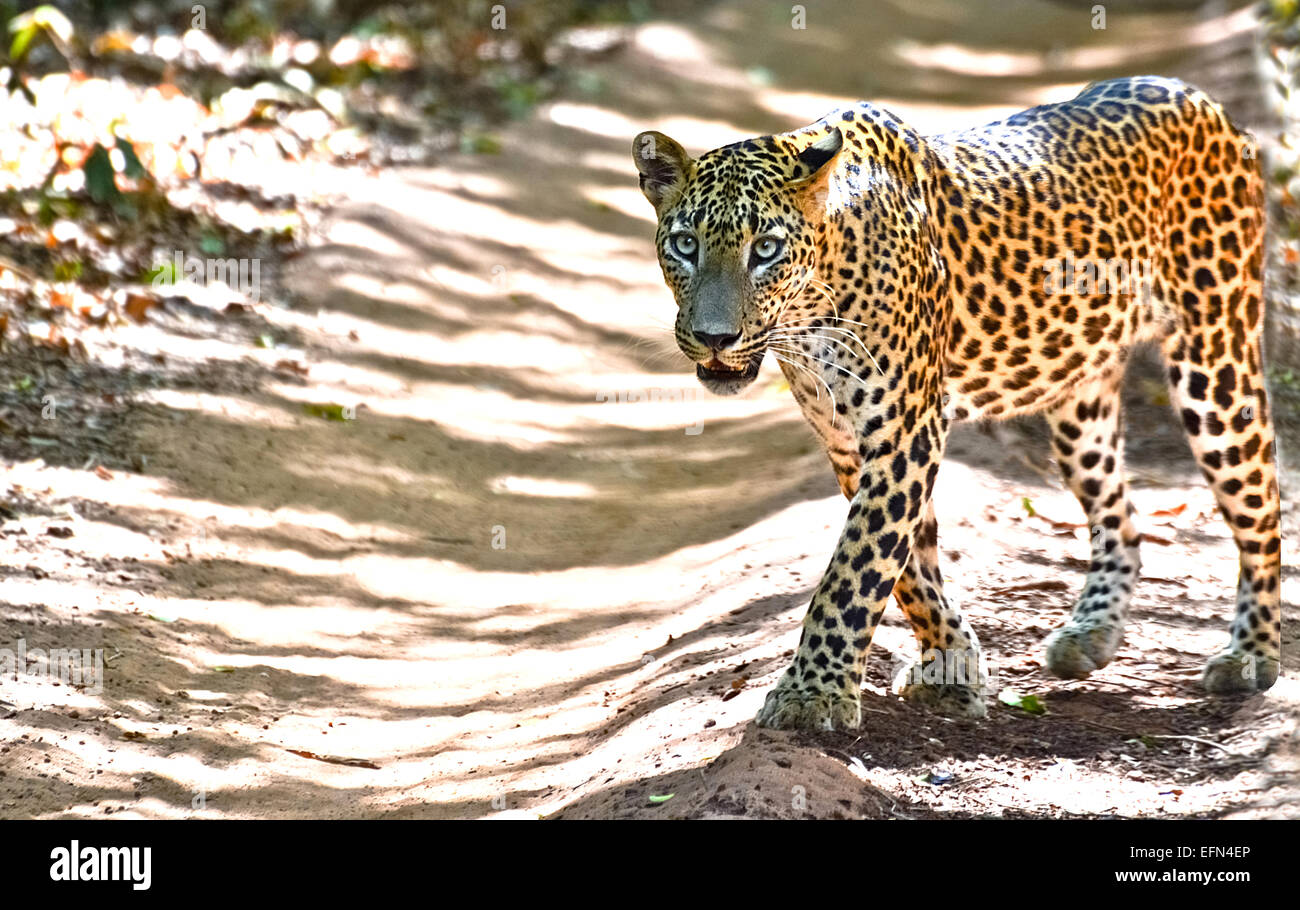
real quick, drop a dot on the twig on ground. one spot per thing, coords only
(1195, 739)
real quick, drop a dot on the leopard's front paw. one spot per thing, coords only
(1075, 649)
(1233, 671)
(792, 706)
(951, 699)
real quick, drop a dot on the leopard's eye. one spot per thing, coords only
(684, 245)
(765, 249)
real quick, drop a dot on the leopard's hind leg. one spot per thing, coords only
(1087, 437)
(1225, 412)
(1217, 386)
(1214, 268)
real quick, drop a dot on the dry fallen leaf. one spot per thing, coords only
(1169, 513)
(291, 366)
(1060, 525)
(137, 305)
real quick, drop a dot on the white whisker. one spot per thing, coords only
(799, 339)
(799, 366)
(831, 364)
(814, 329)
(822, 287)
(866, 325)
(818, 378)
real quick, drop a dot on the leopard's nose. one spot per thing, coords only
(716, 342)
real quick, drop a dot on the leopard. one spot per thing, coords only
(904, 283)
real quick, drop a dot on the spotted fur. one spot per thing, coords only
(901, 283)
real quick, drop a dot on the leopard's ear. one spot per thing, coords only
(663, 165)
(813, 162)
(811, 172)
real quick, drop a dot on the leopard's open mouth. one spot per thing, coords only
(721, 379)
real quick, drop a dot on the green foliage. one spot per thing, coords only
(1279, 14)
(133, 169)
(101, 178)
(329, 411)
(27, 27)
(519, 97)
(52, 206)
(1030, 704)
(211, 244)
(69, 270)
(101, 181)
(479, 144)
(1286, 378)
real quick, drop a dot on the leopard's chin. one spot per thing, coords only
(723, 380)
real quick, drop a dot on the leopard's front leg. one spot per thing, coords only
(949, 677)
(820, 689)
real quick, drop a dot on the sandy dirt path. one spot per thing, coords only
(538, 572)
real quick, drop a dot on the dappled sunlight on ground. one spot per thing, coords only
(537, 564)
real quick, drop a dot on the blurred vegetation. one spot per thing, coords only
(409, 68)
(1280, 45)
(132, 130)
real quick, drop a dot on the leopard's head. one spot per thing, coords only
(737, 239)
